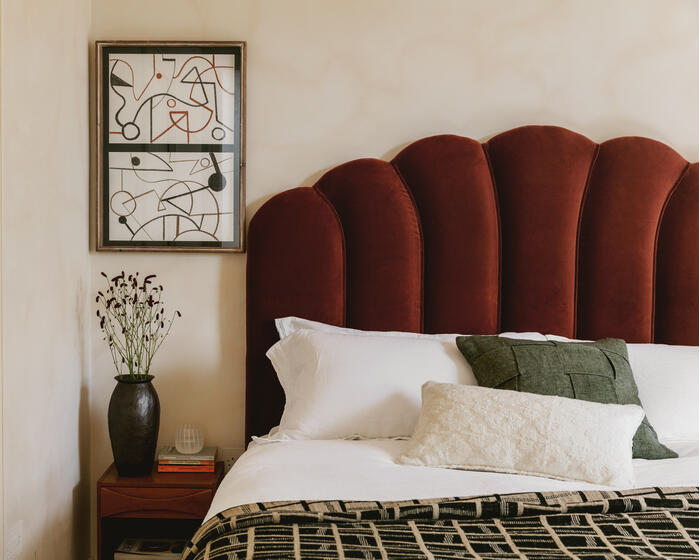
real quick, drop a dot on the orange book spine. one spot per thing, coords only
(187, 463)
(185, 468)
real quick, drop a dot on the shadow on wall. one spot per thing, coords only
(81, 492)
(232, 318)
(68, 530)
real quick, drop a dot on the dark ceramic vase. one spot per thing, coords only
(134, 418)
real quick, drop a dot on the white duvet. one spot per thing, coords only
(366, 470)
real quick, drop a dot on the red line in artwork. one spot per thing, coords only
(211, 214)
(186, 61)
(211, 114)
(201, 84)
(174, 125)
(216, 76)
(144, 194)
(133, 79)
(188, 130)
(212, 66)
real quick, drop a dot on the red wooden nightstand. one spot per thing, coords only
(159, 505)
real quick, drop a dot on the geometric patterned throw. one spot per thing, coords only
(639, 523)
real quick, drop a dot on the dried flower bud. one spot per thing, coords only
(103, 274)
(178, 314)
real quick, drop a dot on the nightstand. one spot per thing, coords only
(159, 505)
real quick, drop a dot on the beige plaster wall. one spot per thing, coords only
(329, 81)
(45, 277)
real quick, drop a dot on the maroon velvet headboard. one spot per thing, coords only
(538, 229)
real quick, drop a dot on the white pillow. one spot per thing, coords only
(667, 380)
(287, 325)
(344, 385)
(386, 376)
(477, 428)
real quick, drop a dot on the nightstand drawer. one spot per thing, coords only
(155, 502)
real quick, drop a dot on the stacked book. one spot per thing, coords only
(170, 460)
(150, 549)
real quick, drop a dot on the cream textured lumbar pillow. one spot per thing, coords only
(477, 428)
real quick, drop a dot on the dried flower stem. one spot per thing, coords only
(133, 321)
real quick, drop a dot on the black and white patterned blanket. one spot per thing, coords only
(640, 523)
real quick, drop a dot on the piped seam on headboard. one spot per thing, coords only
(343, 249)
(670, 194)
(419, 221)
(497, 205)
(577, 276)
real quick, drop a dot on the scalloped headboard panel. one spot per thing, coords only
(538, 229)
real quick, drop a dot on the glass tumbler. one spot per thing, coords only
(189, 439)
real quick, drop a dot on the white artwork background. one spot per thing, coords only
(171, 98)
(166, 196)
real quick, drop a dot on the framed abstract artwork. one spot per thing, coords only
(170, 146)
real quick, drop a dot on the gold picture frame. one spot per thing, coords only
(170, 119)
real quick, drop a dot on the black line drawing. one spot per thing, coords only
(169, 203)
(156, 98)
(171, 145)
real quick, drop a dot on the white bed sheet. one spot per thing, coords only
(366, 470)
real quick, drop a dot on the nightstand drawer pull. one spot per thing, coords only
(155, 502)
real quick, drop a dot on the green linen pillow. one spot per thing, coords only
(590, 371)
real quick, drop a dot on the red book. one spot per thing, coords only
(186, 468)
(186, 463)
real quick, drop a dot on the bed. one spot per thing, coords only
(539, 229)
